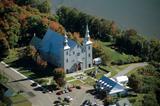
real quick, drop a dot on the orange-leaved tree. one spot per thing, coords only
(59, 76)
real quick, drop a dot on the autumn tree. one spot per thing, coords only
(59, 76)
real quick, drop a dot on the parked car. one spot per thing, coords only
(78, 87)
(44, 90)
(87, 103)
(34, 84)
(68, 98)
(59, 93)
(70, 89)
(66, 90)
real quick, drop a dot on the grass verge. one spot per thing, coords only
(19, 100)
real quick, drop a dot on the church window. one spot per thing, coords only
(78, 54)
(73, 53)
(67, 60)
(88, 47)
(67, 53)
(89, 55)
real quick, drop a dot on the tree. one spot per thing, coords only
(135, 83)
(13, 39)
(149, 100)
(45, 7)
(108, 100)
(35, 25)
(59, 76)
(98, 51)
(4, 47)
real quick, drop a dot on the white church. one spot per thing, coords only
(63, 52)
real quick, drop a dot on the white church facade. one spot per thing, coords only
(63, 52)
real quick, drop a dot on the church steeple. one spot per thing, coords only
(87, 32)
(66, 46)
(87, 36)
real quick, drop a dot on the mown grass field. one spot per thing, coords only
(115, 55)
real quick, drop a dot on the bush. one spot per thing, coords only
(108, 100)
(4, 47)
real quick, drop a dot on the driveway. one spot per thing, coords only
(19, 82)
(130, 68)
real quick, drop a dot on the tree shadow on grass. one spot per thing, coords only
(27, 65)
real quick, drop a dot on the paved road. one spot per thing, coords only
(19, 82)
(130, 68)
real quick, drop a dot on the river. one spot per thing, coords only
(142, 15)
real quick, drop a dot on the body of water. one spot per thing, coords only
(142, 15)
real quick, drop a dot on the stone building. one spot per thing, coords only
(63, 52)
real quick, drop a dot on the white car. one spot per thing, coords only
(68, 98)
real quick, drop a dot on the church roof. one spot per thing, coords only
(54, 40)
(52, 44)
(36, 42)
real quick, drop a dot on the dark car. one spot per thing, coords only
(59, 93)
(87, 103)
(78, 87)
(34, 84)
(70, 89)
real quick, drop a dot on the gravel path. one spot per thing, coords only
(130, 68)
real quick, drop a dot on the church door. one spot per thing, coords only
(79, 66)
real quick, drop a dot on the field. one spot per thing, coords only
(117, 57)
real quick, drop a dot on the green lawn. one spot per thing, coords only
(89, 81)
(116, 56)
(25, 66)
(76, 82)
(13, 56)
(69, 78)
(20, 100)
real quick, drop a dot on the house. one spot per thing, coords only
(109, 86)
(63, 52)
(122, 79)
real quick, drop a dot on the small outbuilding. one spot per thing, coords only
(122, 79)
(97, 61)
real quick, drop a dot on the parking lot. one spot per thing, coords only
(80, 95)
